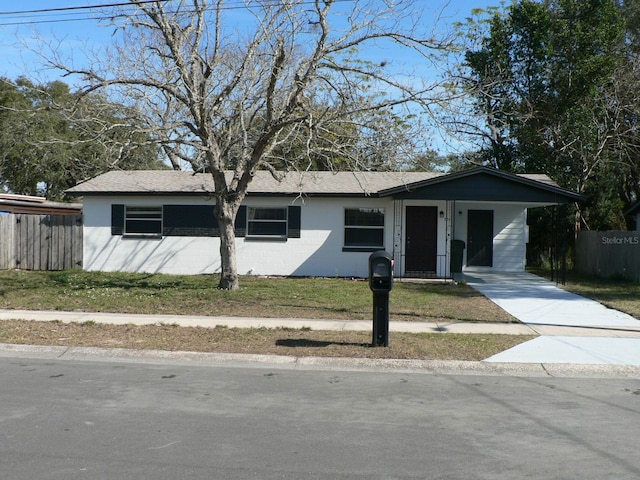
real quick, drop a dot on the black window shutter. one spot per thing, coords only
(293, 221)
(189, 221)
(117, 219)
(241, 222)
(215, 229)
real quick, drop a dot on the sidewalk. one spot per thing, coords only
(316, 324)
(245, 322)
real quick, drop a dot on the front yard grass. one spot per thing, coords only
(616, 293)
(320, 298)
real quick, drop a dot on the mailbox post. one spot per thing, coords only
(380, 283)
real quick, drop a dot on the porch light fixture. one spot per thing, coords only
(441, 214)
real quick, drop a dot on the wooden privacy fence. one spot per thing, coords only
(40, 242)
(609, 254)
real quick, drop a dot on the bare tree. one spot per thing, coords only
(624, 120)
(226, 86)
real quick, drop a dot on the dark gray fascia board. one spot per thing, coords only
(635, 208)
(569, 195)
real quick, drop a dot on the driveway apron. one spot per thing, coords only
(573, 329)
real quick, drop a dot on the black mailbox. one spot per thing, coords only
(380, 283)
(380, 271)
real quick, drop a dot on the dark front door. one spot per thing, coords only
(421, 244)
(480, 238)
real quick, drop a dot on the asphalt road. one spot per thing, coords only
(64, 419)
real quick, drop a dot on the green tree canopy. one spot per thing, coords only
(547, 82)
(540, 82)
(51, 138)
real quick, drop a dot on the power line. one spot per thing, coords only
(64, 14)
(34, 17)
(81, 7)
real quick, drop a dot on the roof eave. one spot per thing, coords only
(491, 171)
(633, 209)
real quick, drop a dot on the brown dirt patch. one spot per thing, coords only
(280, 341)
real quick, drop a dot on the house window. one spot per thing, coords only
(143, 221)
(267, 222)
(199, 221)
(363, 229)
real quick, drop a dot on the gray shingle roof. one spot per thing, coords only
(294, 183)
(171, 182)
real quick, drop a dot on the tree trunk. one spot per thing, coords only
(226, 215)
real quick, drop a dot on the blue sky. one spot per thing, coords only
(75, 31)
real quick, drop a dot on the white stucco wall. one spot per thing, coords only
(317, 253)
(178, 255)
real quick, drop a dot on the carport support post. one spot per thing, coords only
(380, 319)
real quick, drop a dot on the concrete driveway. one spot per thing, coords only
(573, 329)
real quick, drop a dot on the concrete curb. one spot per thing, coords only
(430, 367)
